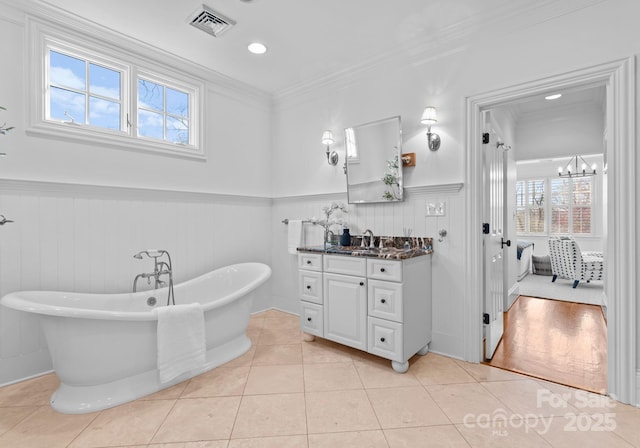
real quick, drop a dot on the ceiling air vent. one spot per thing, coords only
(211, 21)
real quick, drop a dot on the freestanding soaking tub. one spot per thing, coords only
(104, 348)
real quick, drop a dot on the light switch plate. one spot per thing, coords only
(436, 208)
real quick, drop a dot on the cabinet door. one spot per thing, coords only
(345, 310)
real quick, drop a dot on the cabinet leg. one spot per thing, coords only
(308, 337)
(400, 367)
(424, 350)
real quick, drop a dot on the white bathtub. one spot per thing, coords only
(103, 346)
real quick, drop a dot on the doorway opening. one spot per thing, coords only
(618, 77)
(544, 199)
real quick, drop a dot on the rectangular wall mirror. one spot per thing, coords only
(373, 161)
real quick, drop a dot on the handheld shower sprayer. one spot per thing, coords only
(159, 268)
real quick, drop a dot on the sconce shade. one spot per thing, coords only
(327, 138)
(429, 116)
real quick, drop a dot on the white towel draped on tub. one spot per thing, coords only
(294, 239)
(181, 339)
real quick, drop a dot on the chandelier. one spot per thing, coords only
(571, 169)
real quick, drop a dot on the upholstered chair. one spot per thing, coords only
(569, 262)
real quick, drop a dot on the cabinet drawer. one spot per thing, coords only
(385, 339)
(310, 262)
(311, 319)
(385, 300)
(384, 269)
(340, 264)
(310, 286)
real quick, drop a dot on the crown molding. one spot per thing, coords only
(449, 40)
(46, 14)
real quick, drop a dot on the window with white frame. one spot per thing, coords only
(163, 112)
(569, 210)
(83, 91)
(109, 96)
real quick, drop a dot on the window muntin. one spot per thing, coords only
(582, 205)
(560, 191)
(535, 206)
(81, 91)
(569, 211)
(163, 112)
(89, 91)
(521, 208)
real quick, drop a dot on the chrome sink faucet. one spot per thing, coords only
(372, 242)
(160, 268)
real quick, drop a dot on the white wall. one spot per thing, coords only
(499, 57)
(81, 211)
(570, 131)
(231, 151)
(259, 149)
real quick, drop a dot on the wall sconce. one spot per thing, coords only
(429, 117)
(332, 156)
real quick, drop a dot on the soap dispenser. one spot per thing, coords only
(345, 239)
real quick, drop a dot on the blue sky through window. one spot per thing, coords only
(163, 112)
(70, 99)
(84, 89)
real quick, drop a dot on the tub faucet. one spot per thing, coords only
(160, 268)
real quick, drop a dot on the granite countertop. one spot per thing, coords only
(393, 249)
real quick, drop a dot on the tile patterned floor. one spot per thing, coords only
(287, 393)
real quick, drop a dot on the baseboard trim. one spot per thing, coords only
(637, 403)
(514, 292)
(30, 377)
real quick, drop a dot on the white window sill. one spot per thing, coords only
(107, 138)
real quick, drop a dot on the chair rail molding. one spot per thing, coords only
(621, 246)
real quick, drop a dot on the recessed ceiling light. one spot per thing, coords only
(555, 96)
(257, 48)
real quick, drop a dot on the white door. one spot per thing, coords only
(493, 222)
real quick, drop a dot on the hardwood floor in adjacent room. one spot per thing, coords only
(559, 341)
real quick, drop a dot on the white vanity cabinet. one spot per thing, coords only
(310, 293)
(377, 305)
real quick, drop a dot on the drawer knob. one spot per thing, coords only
(381, 269)
(361, 283)
(308, 286)
(383, 300)
(308, 261)
(382, 339)
(308, 319)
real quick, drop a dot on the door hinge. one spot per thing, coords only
(485, 318)
(485, 228)
(485, 138)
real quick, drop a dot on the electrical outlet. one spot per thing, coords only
(436, 208)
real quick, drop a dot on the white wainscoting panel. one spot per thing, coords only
(82, 238)
(386, 219)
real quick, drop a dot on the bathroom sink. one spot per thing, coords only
(353, 250)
